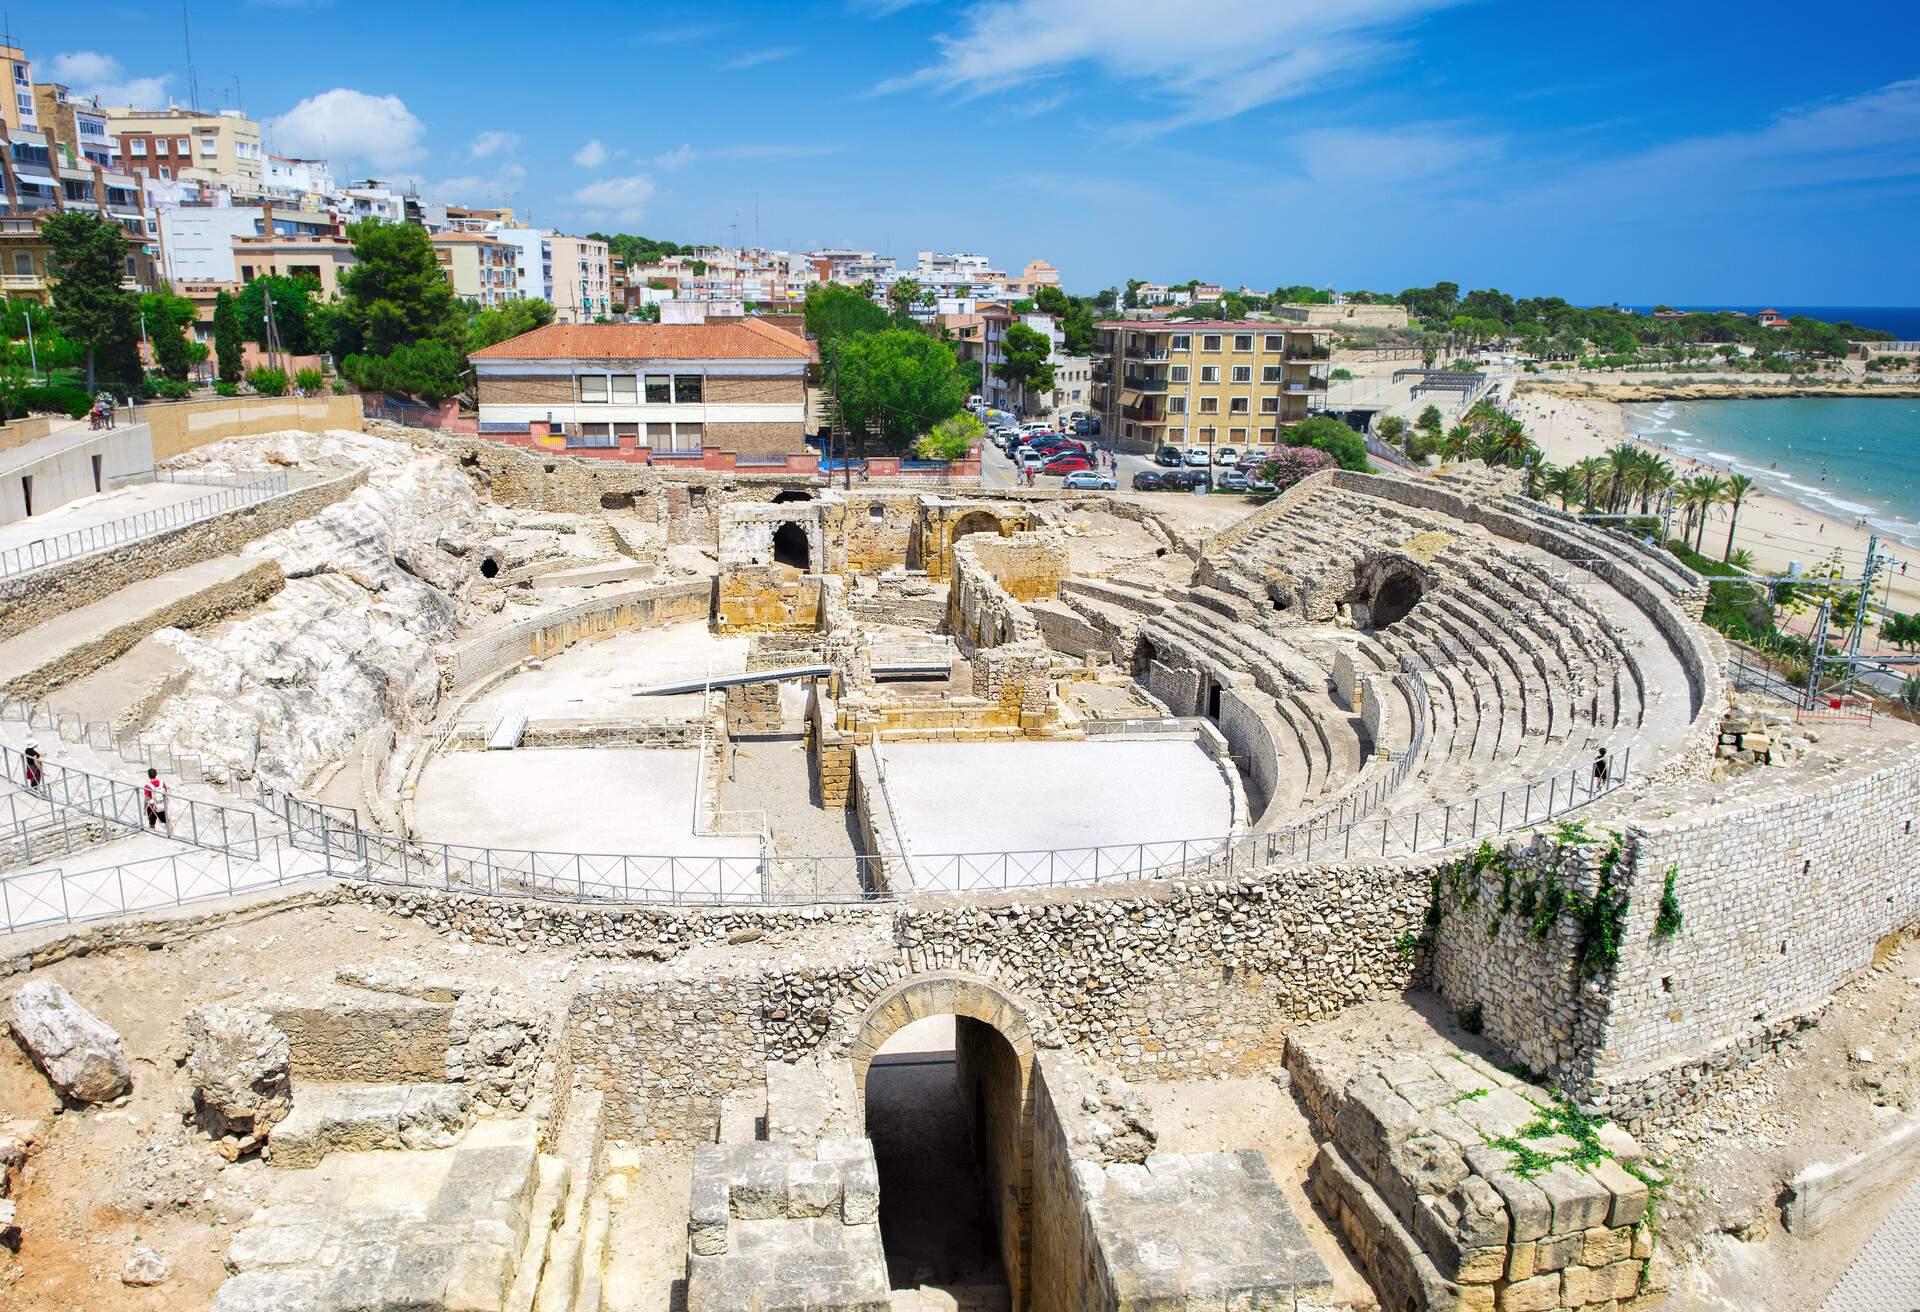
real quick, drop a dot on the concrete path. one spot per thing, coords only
(1885, 1277)
(81, 641)
(101, 508)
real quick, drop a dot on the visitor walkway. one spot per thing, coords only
(1885, 1277)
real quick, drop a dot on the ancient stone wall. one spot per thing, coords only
(992, 1089)
(767, 599)
(1784, 894)
(557, 630)
(87, 579)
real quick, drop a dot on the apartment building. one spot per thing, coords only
(1204, 383)
(733, 384)
(18, 111)
(850, 267)
(78, 124)
(321, 258)
(480, 267)
(222, 147)
(38, 178)
(197, 235)
(582, 286)
(305, 182)
(1036, 275)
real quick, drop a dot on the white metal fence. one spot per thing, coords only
(228, 495)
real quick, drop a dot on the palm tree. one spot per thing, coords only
(1738, 485)
(1656, 476)
(1741, 560)
(1559, 481)
(1591, 474)
(1455, 443)
(1624, 460)
(1707, 491)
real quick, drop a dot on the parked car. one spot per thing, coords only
(1260, 486)
(1149, 480)
(1198, 458)
(1071, 462)
(1232, 481)
(1185, 480)
(1226, 455)
(1169, 456)
(1089, 480)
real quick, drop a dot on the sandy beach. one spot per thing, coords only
(1773, 528)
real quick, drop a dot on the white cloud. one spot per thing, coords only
(342, 124)
(502, 183)
(617, 198)
(591, 156)
(1415, 153)
(91, 73)
(494, 143)
(755, 58)
(673, 159)
(1214, 60)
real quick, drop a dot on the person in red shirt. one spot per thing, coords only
(154, 793)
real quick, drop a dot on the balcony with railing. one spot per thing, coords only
(1309, 353)
(1144, 383)
(1301, 386)
(1148, 413)
(1148, 353)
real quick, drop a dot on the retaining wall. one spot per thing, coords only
(183, 425)
(557, 630)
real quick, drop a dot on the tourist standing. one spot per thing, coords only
(154, 794)
(33, 768)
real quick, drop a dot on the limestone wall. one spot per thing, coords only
(39, 597)
(868, 532)
(767, 599)
(557, 630)
(183, 425)
(1784, 896)
(992, 1088)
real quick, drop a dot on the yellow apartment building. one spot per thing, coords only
(480, 267)
(1206, 383)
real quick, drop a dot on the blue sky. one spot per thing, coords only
(1633, 152)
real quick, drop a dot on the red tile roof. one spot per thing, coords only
(726, 339)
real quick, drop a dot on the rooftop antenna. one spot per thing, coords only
(193, 82)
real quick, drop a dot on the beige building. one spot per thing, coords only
(18, 110)
(1345, 316)
(40, 178)
(582, 279)
(1206, 383)
(480, 268)
(223, 148)
(738, 385)
(319, 257)
(1036, 275)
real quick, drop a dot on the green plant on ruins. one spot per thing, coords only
(1666, 922)
(1539, 899)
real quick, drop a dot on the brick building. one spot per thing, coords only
(736, 384)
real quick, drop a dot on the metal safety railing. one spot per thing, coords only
(42, 552)
(306, 839)
(194, 821)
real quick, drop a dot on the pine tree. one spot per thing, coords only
(87, 258)
(226, 338)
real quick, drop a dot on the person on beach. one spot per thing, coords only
(154, 794)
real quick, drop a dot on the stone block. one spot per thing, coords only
(1580, 1286)
(1627, 1191)
(1579, 1201)
(1556, 1252)
(1529, 1212)
(757, 1181)
(1601, 1246)
(860, 1191)
(1520, 1261)
(707, 1216)
(78, 1052)
(1536, 1294)
(1619, 1280)
(813, 1188)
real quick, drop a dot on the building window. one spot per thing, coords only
(1266, 435)
(686, 388)
(1209, 373)
(161, 146)
(1176, 435)
(182, 146)
(1209, 405)
(660, 436)
(626, 431)
(137, 145)
(207, 146)
(1206, 436)
(1182, 342)
(1238, 436)
(1238, 405)
(1275, 341)
(592, 435)
(1270, 373)
(1177, 373)
(23, 264)
(688, 437)
(1269, 405)
(1210, 342)
(593, 389)
(166, 172)
(659, 389)
(1243, 341)
(1176, 405)
(1243, 373)
(626, 389)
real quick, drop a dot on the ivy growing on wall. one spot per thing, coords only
(1539, 898)
(1666, 922)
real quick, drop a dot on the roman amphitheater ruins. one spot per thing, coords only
(583, 886)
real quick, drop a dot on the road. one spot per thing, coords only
(996, 470)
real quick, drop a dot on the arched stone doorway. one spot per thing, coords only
(1144, 655)
(952, 1131)
(1397, 594)
(791, 494)
(976, 521)
(790, 547)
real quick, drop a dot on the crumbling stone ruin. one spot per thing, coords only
(1478, 760)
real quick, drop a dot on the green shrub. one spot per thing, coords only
(309, 381)
(340, 388)
(70, 401)
(225, 388)
(268, 381)
(171, 389)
